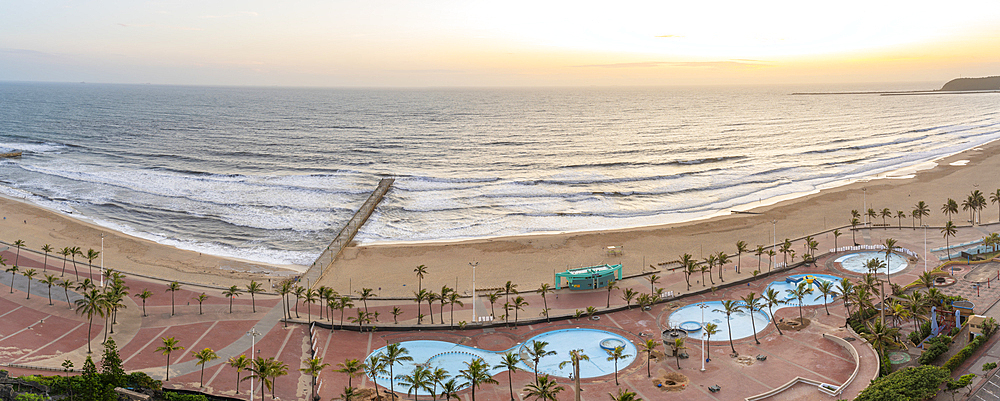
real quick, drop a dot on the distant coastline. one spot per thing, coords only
(989, 84)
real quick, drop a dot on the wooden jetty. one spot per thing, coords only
(10, 154)
(346, 234)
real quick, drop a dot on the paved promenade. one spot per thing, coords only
(39, 335)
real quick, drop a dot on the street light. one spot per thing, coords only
(253, 333)
(925, 247)
(102, 260)
(474, 264)
(702, 306)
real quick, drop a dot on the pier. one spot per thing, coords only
(346, 234)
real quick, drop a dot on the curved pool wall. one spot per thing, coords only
(453, 357)
(740, 322)
(855, 262)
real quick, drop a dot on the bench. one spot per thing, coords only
(715, 388)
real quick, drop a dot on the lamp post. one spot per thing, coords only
(774, 233)
(474, 264)
(102, 260)
(925, 248)
(253, 333)
(702, 306)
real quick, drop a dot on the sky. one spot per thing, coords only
(433, 43)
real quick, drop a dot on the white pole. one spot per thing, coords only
(474, 290)
(102, 259)
(702, 307)
(864, 205)
(253, 333)
(925, 248)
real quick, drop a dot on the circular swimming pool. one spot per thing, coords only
(688, 318)
(454, 357)
(855, 262)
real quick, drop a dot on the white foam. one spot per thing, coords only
(959, 163)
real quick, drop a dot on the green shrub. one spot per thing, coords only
(184, 397)
(964, 353)
(934, 347)
(913, 383)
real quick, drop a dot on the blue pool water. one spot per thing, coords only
(740, 322)
(453, 357)
(855, 262)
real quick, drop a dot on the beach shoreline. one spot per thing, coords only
(538, 256)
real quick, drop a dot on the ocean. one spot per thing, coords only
(271, 174)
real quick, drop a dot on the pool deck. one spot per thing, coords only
(37, 334)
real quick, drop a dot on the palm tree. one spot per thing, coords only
(91, 304)
(826, 289)
(232, 292)
(17, 257)
(885, 212)
(65, 286)
(995, 198)
(455, 299)
(50, 280)
(260, 368)
(431, 297)
(854, 230)
(648, 347)
(374, 367)
(519, 304)
(653, 279)
(172, 288)
(509, 362)
(284, 289)
(310, 298)
(365, 293)
(170, 344)
(890, 244)
(65, 252)
(616, 354)
(493, 297)
(575, 356)
(922, 210)
(13, 274)
(916, 304)
(741, 246)
(628, 295)
(420, 296)
(420, 271)
(759, 252)
(343, 303)
(872, 214)
(949, 208)
(448, 389)
(881, 335)
(836, 234)
(350, 367)
(949, 230)
(611, 286)
(707, 267)
(545, 288)
(770, 259)
(509, 288)
(29, 274)
(417, 380)
(201, 298)
(624, 395)
(536, 352)
(798, 293)
(254, 288)
(476, 373)
(204, 356)
(687, 262)
(711, 329)
(752, 304)
(443, 297)
(240, 363)
(438, 376)
(786, 248)
(395, 314)
(722, 259)
(544, 388)
(846, 287)
(900, 215)
(74, 252)
(45, 262)
(394, 353)
(360, 319)
(729, 307)
(90, 256)
(145, 294)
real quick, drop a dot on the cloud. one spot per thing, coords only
(669, 36)
(690, 64)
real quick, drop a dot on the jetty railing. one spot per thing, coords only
(347, 233)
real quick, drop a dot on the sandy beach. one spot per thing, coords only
(38, 226)
(533, 259)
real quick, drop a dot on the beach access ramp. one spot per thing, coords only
(347, 233)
